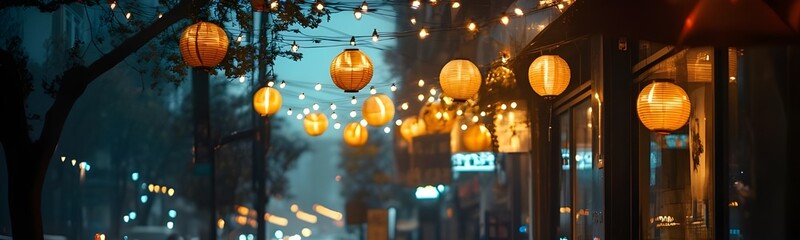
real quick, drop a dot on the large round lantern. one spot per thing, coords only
(203, 45)
(351, 70)
(355, 135)
(663, 106)
(476, 138)
(549, 75)
(412, 127)
(315, 124)
(378, 109)
(267, 101)
(437, 119)
(460, 79)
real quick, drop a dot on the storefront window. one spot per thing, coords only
(676, 168)
(564, 229)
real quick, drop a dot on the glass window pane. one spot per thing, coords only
(564, 229)
(582, 135)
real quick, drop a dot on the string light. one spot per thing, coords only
(306, 111)
(387, 129)
(463, 127)
(353, 41)
(353, 100)
(318, 87)
(241, 79)
(423, 33)
(398, 122)
(319, 6)
(456, 4)
(315, 107)
(270, 83)
(353, 113)
(239, 38)
(483, 114)
(302, 96)
(337, 125)
(513, 104)
(299, 116)
(283, 84)
(475, 119)
(413, 21)
(289, 112)
(295, 47)
(113, 5)
(393, 87)
(364, 6)
(472, 26)
(334, 115)
(357, 14)
(421, 97)
(433, 91)
(333, 106)
(518, 11)
(404, 106)
(504, 20)
(561, 6)
(431, 99)
(273, 5)
(375, 35)
(363, 122)
(372, 90)
(415, 4)
(433, 2)
(160, 14)
(459, 112)
(503, 106)
(421, 83)
(128, 15)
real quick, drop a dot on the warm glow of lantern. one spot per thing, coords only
(549, 75)
(436, 118)
(460, 79)
(315, 124)
(663, 106)
(476, 138)
(412, 127)
(378, 109)
(267, 101)
(351, 70)
(203, 45)
(355, 135)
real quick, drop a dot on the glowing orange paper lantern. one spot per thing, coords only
(315, 124)
(412, 126)
(355, 135)
(203, 45)
(351, 70)
(267, 101)
(378, 109)
(663, 106)
(476, 138)
(549, 75)
(437, 119)
(460, 79)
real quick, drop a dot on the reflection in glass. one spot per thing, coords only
(564, 229)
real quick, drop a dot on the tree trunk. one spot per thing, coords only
(25, 180)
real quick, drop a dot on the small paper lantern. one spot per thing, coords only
(412, 127)
(351, 70)
(355, 135)
(476, 138)
(203, 45)
(267, 101)
(549, 75)
(378, 109)
(663, 106)
(315, 124)
(437, 119)
(460, 79)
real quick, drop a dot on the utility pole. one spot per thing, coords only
(262, 144)
(203, 153)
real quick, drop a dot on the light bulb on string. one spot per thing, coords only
(357, 14)
(503, 106)
(404, 106)
(387, 129)
(433, 91)
(273, 5)
(415, 4)
(433, 2)
(375, 35)
(363, 122)
(315, 107)
(302, 96)
(518, 11)
(333, 106)
(561, 6)
(337, 125)
(128, 15)
(353, 100)
(421, 83)
(289, 112)
(239, 38)
(421, 97)
(306, 111)
(299, 116)
(318, 87)
(295, 47)
(353, 41)
(372, 90)
(431, 99)
(113, 5)
(513, 104)
(353, 113)
(483, 114)
(334, 116)
(241, 79)
(160, 14)
(270, 83)
(364, 6)
(319, 6)
(413, 21)
(393, 87)
(423, 33)
(398, 122)
(475, 119)
(472, 26)
(504, 20)
(463, 127)
(459, 112)
(456, 4)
